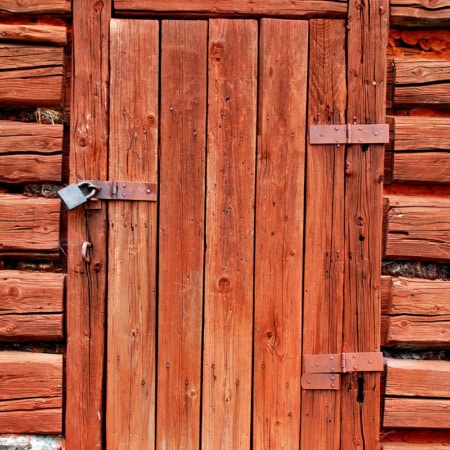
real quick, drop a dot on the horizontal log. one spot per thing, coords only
(31, 292)
(416, 413)
(420, 12)
(302, 8)
(417, 228)
(36, 7)
(416, 133)
(26, 375)
(414, 446)
(23, 56)
(421, 81)
(31, 87)
(411, 167)
(29, 226)
(20, 137)
(52, 34)
(411, 378)
(38, 418)
(31, 168)
(31, 327)
(415, 296)
(31, 392)
(415, 331)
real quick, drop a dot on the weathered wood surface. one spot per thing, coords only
(304, 8)
(421, 81)
(182, 230)
(420, 12)
(418, 133)
(366, 77)
(324, 245)
(86, 284)
(409, 378)
(415, 296)
(29, 226)
(36, 6)
(23, 56)
(31, 292)
(417, 228)
(420, 150)
(229, 261)
(31, 327)
(416, 413)
(31, 392)
(414, 446)
(30, 152)
(418, 331)
(21, 137)
(31, 87)
(52, 34)
(132, 248)
(279, 233)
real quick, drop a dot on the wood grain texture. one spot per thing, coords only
(22, 56)
(279, 233)
(430, 167)
(366, 78)
(86, 284)
(414, 133)
(31, 327)
(409, 378)
(132, 247)
(31, 392)
(31, 87)
(24, 168)
(418, 228)
(31, 292)
(303, 8)
(413, 446)
(420, 12)
(182, 228)
(415, 296)
(416, 413)
(227, 361)
(36, 6)
(52, 34)
(21, 137)
(419, 331)
(324, 244)
(29, 226)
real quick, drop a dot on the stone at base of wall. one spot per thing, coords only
(21, 442)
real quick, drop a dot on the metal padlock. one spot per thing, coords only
(77, 194)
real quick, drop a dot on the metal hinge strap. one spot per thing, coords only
(125, 190)
(322, 371)
(349, 134)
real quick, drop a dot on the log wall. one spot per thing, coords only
(34, 54)
(416, 311)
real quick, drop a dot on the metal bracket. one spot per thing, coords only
(349, 134)
(126, 190)
(320, 371)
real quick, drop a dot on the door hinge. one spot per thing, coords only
(323, 371)
(349, 134)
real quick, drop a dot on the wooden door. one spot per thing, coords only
(261, 247)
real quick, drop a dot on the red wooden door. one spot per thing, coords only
(261, 247)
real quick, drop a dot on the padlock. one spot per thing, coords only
(73, 195)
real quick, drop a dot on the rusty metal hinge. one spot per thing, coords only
(322, 371)
(349, 134)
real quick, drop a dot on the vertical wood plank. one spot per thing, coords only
(86, 284)
(279, 233)
(366, 43)
(131, 367)
(229, 234)
(181, 236)
(324, 232)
